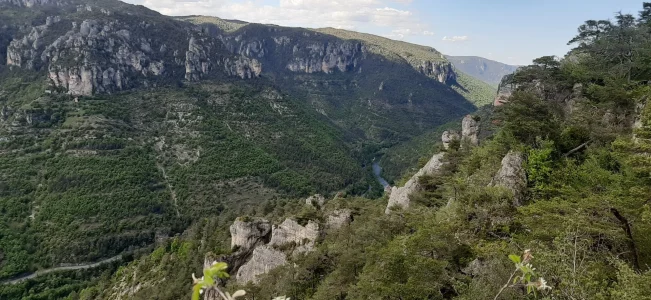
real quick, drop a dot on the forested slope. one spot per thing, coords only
(553, 205)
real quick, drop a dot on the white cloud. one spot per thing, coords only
(346, 14)
(456, 38)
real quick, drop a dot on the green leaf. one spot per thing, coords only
(196, 292)
(514, 258)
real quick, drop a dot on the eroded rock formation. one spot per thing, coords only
(290, 232)
(512, 176)
(264, 259)
(400, 195)
(504, 90)
(448, 137)
(339, 218)
(470, 130)
(248, 235)
(262, 247)
(316, 201)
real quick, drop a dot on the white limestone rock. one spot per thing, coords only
(264, 259)
(448, 137)
(290, 232)
(316, 201)
(470, 130)
(512, 176)
(339, 218)
(247, 235)
(400, 195)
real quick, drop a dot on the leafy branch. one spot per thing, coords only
(527, 273)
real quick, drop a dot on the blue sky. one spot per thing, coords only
(510, 31)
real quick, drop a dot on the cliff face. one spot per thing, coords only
(98, 50)
(31, 3)
(87, 48)
(504, 90)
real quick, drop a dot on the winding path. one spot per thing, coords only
(62, 268)
(170, 188)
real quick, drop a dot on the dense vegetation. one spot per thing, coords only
(119, 172)
(583, 125)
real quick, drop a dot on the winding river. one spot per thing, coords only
(377, 171)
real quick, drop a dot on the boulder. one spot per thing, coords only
(316, 201)
(247, 235)
(263, 260)
(400, 196)
(290, 232)
(448, 137)
(339, 218)
(512, 176)
(470, 130)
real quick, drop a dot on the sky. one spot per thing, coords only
(510, 31)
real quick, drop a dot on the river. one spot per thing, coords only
(377, 171)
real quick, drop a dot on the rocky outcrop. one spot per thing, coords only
(292, 233)
(243, 67)
(400, 195)
(339, 218)
(448, 137)
(504, 90)
(316, 201)
(199, 58)
(263, 260)
(248, 235)
(442, 71)
(31, 3)
(261, 247)
(326, 57)
(107, 55)
(512, 176)
(470, 130)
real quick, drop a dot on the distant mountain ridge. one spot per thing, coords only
(484, 69)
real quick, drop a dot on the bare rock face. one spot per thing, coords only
(339, 218)
(326, 57)
(290, 232)
(400, 196)
(470, 130)
(243, 67)
(316, 201)
(264, 259)
(512, 176)
(504, 90)
(448, 137)
(32, 3)
(441, 71)
(247, 235)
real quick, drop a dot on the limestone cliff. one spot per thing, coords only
(106, 54)
(504, 90)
